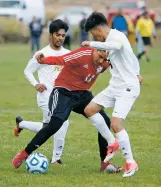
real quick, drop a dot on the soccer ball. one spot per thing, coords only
(37, 163)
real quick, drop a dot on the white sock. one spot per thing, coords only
(31, 126)
(59, 141)
(124, 142)
(99, 122)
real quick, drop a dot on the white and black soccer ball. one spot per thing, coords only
(37, 163)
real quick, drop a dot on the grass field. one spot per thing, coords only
(18, 97)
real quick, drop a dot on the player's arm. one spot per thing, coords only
(73, 58)
(51, 60)
(32, 67)
(111, 45)
(137, 31)
(137, 69)
(153, 30)
(138, 25)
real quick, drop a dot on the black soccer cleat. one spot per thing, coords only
(58, 162)
(17, 130)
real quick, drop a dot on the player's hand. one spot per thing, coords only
(86, 43)
(40, 58)
(140, 79)
(40, 87)
(155, 37)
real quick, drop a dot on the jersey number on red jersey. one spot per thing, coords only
(89, 78)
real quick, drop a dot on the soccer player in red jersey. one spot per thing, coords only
(80, 71)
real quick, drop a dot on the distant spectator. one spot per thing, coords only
(83, 34)
(35, 33)
(131, 29)
(68, 38)
(146, 29)
(119, 22)
(141, 4)
(140, 45)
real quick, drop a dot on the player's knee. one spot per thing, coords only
(88, 111)
(116, 124)
(114, 127)
(91, 109)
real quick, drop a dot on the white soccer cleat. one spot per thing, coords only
(130, 169)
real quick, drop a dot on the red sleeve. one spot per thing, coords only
(78, 56)
(54, 60)
(74, 58)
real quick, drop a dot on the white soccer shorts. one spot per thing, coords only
(42, 101)
(122, 100)
(45, 111)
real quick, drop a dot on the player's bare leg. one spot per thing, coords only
(147, 51)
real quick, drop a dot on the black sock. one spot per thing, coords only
(101, 141)
(44, 134)
(140, 55)
(45, 124)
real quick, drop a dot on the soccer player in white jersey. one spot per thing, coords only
(124, 86)
(47, 75)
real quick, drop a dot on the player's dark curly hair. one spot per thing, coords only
(94, 20)
(57, 25)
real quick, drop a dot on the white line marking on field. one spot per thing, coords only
(4, 112)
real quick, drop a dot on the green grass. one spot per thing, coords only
(18, 97)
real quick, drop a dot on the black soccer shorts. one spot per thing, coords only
(63, 101)
(146, 41)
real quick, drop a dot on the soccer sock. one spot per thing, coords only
(44, 134)
(59, 141)
(140, 55)
(31, 126)
(106, 118)
(124, 142)
(99, 122)
(103, 144)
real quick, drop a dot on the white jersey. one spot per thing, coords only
(124, 64)
(46, 74)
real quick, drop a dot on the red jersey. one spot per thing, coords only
(79, 71)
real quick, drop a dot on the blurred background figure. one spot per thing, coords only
(83, 34)
(68, 38)
(36, 29)
(119, 22)
(140, 45)
(141, 4)
(131, 29)
(49, 22)
(146, 29)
